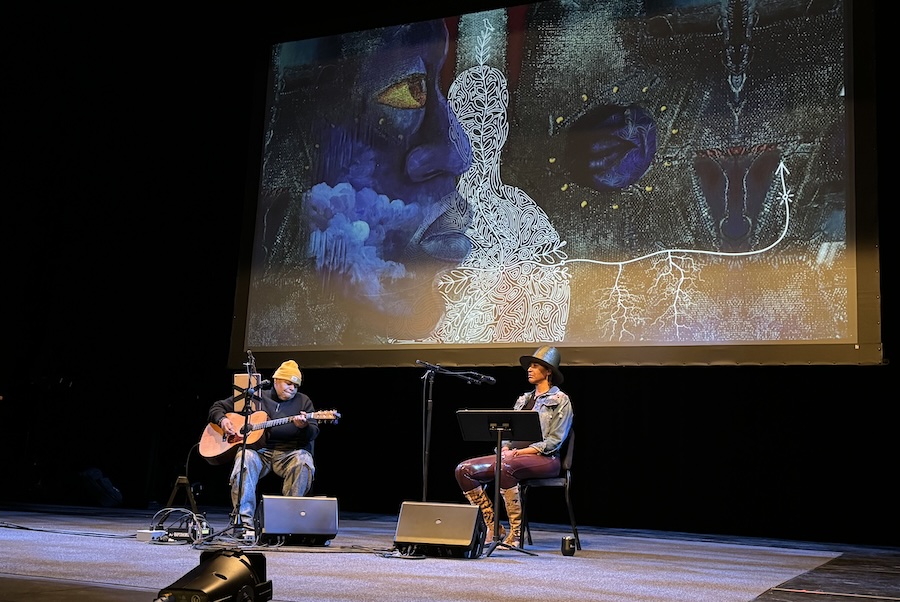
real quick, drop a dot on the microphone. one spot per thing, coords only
(264, 385)
(427, 365)
(485, 379)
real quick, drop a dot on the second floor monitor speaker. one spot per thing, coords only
(449, 530)
(299, 521)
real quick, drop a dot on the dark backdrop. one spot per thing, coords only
(126, 145)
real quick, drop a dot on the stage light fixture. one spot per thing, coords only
(228, 575)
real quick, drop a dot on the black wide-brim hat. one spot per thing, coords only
(548, 357)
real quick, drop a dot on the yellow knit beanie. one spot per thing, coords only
(289, 371)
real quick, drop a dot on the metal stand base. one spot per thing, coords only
(499, 544)
(183, 482)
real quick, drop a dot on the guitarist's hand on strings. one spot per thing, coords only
(227, 427)
(300, 420)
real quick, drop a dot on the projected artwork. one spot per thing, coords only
(602, 174)
(358, 213)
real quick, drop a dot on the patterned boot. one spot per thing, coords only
(477, 497)
(514, 513)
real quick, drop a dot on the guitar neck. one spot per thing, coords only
(271, 423)
(323, 415)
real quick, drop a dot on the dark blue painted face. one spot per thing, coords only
(383, 214)
(611, 147)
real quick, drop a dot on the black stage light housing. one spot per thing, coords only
(227, 575)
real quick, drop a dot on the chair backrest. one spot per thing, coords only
(568, 451)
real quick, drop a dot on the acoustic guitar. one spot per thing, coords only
(218, 448)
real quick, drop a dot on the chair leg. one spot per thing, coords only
(572, 520)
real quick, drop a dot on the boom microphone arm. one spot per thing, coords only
(470, 377)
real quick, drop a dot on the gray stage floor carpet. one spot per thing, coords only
(97, 550)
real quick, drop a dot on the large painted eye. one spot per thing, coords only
(408, 93)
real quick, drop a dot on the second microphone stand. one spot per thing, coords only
(428, 377)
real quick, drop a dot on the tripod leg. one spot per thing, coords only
(183, 482)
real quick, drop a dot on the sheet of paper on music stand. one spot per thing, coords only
(244, 381)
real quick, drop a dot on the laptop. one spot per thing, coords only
(297, 520)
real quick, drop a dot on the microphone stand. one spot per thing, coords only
(237, 521)
(426, 437)
(431, 370)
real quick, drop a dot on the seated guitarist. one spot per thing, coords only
(285, 449)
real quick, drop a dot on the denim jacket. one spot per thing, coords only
(555, 413)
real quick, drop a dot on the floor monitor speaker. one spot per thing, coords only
(451, 530)
(306, 521)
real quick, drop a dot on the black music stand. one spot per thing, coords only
(493, 425)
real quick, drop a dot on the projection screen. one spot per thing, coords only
(635, 182)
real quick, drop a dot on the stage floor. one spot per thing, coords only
(79, 553)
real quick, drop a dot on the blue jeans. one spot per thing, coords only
(295, 467)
